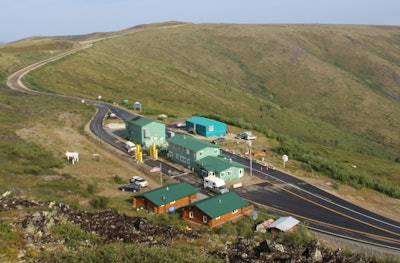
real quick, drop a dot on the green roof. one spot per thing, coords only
(204, 121)
(191, 143)
(141, 121)
(169, 193)
(219, 164)
(221, 204)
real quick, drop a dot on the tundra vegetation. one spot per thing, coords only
(325, 95)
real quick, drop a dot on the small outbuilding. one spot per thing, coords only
(166, 198)
(283, 224)
(216, 210)
(205, 127)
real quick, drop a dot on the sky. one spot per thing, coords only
(25, 18)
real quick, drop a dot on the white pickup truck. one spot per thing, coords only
(130, 146)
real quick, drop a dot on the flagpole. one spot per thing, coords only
(161, 175)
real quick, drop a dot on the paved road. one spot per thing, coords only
(289, 195)
(281, 192)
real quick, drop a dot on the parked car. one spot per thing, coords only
(139, 181)
(243, 135)
(218, 140)
(250, 137)
(219, 190)
(129, 188)
(181, 125)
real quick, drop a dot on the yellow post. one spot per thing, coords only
(138, 153)
(155, 151)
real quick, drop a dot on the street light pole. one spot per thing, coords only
(248, 143)
(161, 174)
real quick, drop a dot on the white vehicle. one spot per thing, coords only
(139, 181)
(130, 146)
(181, 125)
(250, 137)
(215, 184)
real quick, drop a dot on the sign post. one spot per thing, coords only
(285, 158)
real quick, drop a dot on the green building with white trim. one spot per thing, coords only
(221, 167)
(203, 157)
(187, 150)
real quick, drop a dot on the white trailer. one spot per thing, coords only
(215, 184)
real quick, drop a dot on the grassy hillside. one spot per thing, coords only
(195, 71)
(333, 88)
(327, 81)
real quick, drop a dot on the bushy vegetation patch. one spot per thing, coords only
(74, 236)
(319, 162)
(30, 158)
(133, 252)
(297, 236)
(316, 161)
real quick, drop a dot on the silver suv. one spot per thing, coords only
(139, 181)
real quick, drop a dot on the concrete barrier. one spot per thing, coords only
(237, 185)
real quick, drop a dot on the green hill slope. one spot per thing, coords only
(319, 83)
(332, 87)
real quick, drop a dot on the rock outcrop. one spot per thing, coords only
(113, 227)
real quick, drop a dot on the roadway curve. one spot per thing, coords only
(281, 192)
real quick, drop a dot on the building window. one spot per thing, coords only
(205, 219)
(177, 156)
(229, 172)
(222, 174)
(183, 159)
(216, 151)
(146, 133)
(191, 215)
(234, 211)
(187, 151)
(211, 128)
(201, 153)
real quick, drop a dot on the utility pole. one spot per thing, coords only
(248, 143)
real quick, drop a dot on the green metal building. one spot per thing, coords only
(145, 131)
(205, 127)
